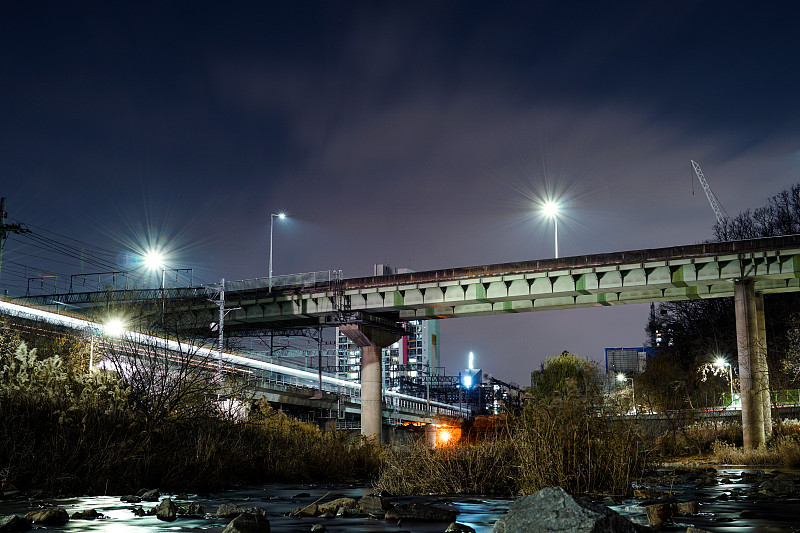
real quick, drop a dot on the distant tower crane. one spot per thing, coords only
(722, 220)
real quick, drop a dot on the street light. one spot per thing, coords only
(154, 260)
(721, 363)
(272, 218)
(622, 378)
(550, 210)
(113, 328)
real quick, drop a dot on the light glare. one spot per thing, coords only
(550, 209)
(154, 260)
(114, 327)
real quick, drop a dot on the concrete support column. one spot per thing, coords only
(371, 392)
(747, 343)
(371, 340)
(763, 369)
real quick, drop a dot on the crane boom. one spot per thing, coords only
(710, 195)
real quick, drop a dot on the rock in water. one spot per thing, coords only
(14, 523)
(166, 510)
(553, 510)
(55, 516)
(150, 495)
(248, 523)
(421, 511)
(89, 514)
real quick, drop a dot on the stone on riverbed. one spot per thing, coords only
(554, 510)
(231, 510)
(333, 507)
(55, 516)
(248, 523)
(373, 503)
(89, 514)
(14, 523)
(421, 511)
(166, 510)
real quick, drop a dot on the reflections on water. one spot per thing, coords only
(717, 512)
(276, 500)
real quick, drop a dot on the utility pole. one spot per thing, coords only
(5, 229)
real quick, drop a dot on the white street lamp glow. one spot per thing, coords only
(722, 363)
(114, 327)
(550, 209)
(154, 260)
(621, 377)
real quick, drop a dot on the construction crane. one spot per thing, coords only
(722, 219)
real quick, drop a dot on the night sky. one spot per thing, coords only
(418, 134)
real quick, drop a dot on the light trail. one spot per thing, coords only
(33, 313)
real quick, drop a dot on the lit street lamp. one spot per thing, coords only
(112, 328)
(550, 210)
(155, 261)
(721, 363)
(272, 217)
(621, 378)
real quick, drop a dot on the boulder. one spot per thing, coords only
(333, 507)
(421, 511)
(54, 516)
(248, 523)
(139, 511)
(89, 514)
(372, 503)
(229, 510)
(166, 510)
(130, 498)
(150, 495)
(191, 510)
(554, 510)
(319, 528)
(687, 508)
(312, 509)
(658, 513)
(13, 524)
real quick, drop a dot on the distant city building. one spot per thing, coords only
(628, 360)
(414, 356)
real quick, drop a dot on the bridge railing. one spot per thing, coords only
(284, 281)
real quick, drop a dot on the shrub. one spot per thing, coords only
(554, 442)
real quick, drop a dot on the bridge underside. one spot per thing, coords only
(742, 269)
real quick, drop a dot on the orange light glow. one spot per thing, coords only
(447, 435)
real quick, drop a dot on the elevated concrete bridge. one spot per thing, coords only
(371, 309)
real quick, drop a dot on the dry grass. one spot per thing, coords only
(68, 432)
(782, 451)
(561, 443)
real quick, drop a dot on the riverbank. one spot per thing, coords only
(729, 499)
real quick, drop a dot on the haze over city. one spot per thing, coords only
(419, 135)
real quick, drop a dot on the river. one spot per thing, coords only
(720, 510)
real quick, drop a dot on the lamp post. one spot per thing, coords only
(622, 378)
(550, 210)
(155, 261)
(720, 362)
(272, 218)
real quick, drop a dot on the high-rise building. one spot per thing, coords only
(413, 357)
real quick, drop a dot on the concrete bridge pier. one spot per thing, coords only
(753, 372)
(371, 340)
(763, 373)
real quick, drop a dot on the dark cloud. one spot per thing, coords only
(421, 135)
